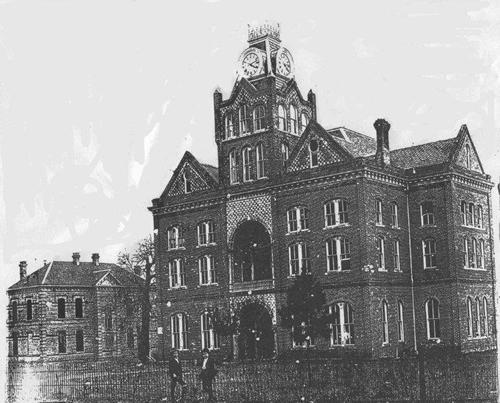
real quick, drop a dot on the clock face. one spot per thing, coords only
(251, 64)
(284, 62)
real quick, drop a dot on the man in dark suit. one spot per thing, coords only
(175, 371)
(207, 374)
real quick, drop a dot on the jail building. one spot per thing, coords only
(400, 239)
(74, 310)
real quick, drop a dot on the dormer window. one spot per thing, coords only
(259, 114)
(187, 182)
(281, 118)
(293, 120)
(304, 120)
(243, 118)
(228, 126)
(313, 153)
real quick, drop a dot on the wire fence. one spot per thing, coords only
(472, 377)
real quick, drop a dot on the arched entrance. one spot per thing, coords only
(256, 338)
(251, 252)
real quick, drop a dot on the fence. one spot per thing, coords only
(471, 377)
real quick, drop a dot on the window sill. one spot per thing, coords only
(181, 287)
(378, 224)
(475, 268)
(206, 245)
(342, 225)
(382, 269)
(208, 285)
(430, 268)
(395, 226)
(386, 344)
(179, 248)
(473, 227)
(298, 231)
(337, 271)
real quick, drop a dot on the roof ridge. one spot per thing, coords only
(424, 144)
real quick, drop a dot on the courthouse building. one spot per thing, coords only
(399, 238)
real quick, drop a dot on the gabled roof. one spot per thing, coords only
(213, 171)
(85, 274)
(434, 153)
(358, 145)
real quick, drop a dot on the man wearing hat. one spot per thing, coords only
(175, 371)
(207, 374)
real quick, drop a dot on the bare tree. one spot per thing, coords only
(142, 262)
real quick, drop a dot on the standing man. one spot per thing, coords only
(175, 371)
(207, 374)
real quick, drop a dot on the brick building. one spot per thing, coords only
(400, 239)
(74, 311)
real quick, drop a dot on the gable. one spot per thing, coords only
(108, 280)
(187, 172)
(465, 154)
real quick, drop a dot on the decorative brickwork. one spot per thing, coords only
(256, 208)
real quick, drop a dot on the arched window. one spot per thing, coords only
(463, 211)
(477, 327)
(394, 215)
(179, 331)
(233, 167)
(336, 212)
(342, 324)
(470, 318)
(207, 273)
(432, 319)
(485, 313)
(429, 253)
(261, 161)
(379, 218)
(79, 340)
(297, 219)
(427, 213)
(246, 157)
(467, 156)
(470, 215)
(401, 326)
(243, 119)
(385, 323)
(395, 256)
(78, 308)
(293, 120)
(281, 118)
(61, 308)
(176, 275)
(209, 337)
(466, 252)
(313, 153)
(304, 120)
(108, 320)
(299, 258)
(186, 178)
(284, 152)
(480, 254)
(381, 253)
(259, 114)
(29, 309)
(472, 253)
(338, 254)
(479, 217)
(174, 240)
(206, 233)
(228, 125)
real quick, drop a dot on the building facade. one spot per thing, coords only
(74, 311)
(400, 239)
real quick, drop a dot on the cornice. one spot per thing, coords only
(187, 205)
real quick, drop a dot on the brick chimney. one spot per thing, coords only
(76, 258)
(382, 155)
(95, 259)
(22, 269)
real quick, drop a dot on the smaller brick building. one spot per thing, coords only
(74, 311)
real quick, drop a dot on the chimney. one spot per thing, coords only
(95, 259)
(76, 258)
(137, 270)
(382, 155)
(311, 97)
(22, 269)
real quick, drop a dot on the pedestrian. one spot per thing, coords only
(175, 371)
(207, 374)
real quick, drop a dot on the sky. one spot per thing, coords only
(100, 100)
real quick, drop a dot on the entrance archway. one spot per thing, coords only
(251, 252)
(256, 338)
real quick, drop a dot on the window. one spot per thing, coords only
(338, 254)
(176, 274)
(299, 258)
(342, 324)
(401, 324)
(78, 308)
(228, 125)
(463, 211)
(15, 344)
(186, 177)
(61, 341)
(470, 318)
(472, 253)
(470, 215)
(432, 317)
(209, 338)
(336, 213)
(298, 219)
(385, 323)
(130, 337)
(394, 215)
(429, 253)
(281, 118)
(174, 240)
(467, 156)
(313, 153)
(243, 119)
(304, 120)
(477, 329)
(293, 120)
(381, 253)
(14, 312)
(427, 213)
(378, 207)
(206, 233)
(233, 167)
(259, 114)
(108, 320)
(29, 309)
(206, 265)
(29, 342)
(179, 328)
(485, 313)
(79, 340)
(246, 155)
(261, 161)
(395, 256)
(61, 308)
(479, 217)
(284, 152)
